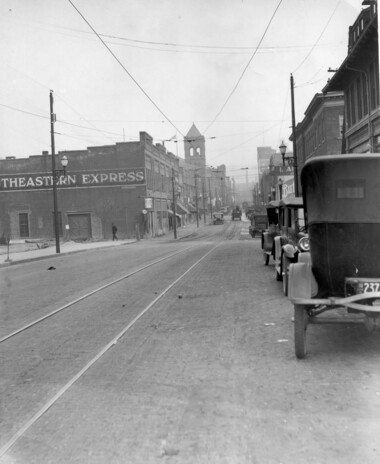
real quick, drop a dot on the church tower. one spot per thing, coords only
(195, 153)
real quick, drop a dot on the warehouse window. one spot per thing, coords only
(23, 219)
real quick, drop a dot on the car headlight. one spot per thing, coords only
(304, 244)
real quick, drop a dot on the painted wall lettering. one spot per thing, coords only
(103, 178)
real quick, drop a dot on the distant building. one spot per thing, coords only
(321, 131)
(263, 157)
(131, 184)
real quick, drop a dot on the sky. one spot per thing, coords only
(119, 67)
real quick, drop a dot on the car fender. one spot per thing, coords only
(290, 251)
(304, 257)
(277, 248)
(301, 283)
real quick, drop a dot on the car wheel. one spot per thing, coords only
(301, 319)
(285, 274)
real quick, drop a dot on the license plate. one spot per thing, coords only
(369, 287)
(356, 286)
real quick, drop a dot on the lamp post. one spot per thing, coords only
(56, 174)
(282, 149)
(280, 182)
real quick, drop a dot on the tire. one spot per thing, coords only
(285, 274)
(266, 259)
(300, 326)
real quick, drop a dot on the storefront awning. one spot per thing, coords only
(171, 212)
(192, 208)
(182, 209)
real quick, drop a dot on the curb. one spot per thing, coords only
(57, 255)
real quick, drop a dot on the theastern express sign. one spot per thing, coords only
(75, 179)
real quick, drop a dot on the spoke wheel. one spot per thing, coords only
(285, 274)
(300, 326)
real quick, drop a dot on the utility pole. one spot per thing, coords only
(54, 180)
(174, 206)
(295, 164)
(196, 196)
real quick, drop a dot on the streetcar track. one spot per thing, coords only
(87, 295)
(9, 444)
(227, 233)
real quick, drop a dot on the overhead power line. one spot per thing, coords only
(125, 69)
(24, 111)
(245, 69)
(319, 38)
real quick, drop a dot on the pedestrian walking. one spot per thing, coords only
(114, 230)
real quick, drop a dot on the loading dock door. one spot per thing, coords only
(80, 226)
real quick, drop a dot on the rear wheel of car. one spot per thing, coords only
(300, 325)
(285, 274)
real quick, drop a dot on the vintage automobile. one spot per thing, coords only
(236, 214)
(291, 239)
(259, 223)
(341, 270)
(218, 218)
(268, 235)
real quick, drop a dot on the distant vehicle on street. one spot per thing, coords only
(236, 213)
(341, 269)
(218, 218)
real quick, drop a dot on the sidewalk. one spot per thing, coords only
(21, 252)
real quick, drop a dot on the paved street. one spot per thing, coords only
(206, 375)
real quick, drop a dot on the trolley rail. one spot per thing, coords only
(93, 292)
(48, 404)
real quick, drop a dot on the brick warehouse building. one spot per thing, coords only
(116, 183)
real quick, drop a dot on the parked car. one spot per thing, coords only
(259, 223)
(292, 238)
(341, 269)
(249, 213)
(218, 218)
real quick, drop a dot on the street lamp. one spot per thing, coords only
(289, 159)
